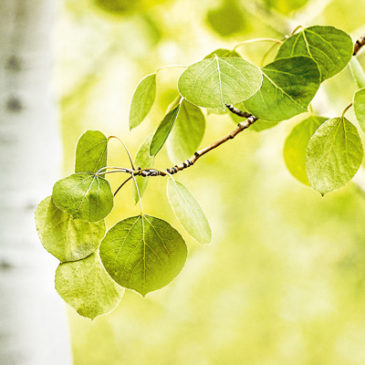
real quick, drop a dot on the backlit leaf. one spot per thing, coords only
(143, 253)
(188, 211)
(357, 72)
(359, 106)
(334, 155)
(66, 238)
(222, 53)
(87, 287)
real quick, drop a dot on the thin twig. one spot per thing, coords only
(122, 184)
(358, 44)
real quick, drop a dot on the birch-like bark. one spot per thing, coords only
(33, 325)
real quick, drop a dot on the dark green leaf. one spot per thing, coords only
(359, 106)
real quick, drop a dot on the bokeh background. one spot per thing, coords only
(283, 280)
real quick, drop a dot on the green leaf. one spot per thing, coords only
(163, 131)
(143, 253)
(84, 196)
(91, 152)
(143, 160)
(359, 106)
(329, 47)
(222, 53)
(296, 145)
(188, 211)
(289, 86)
(142, 100)
(214, 82)
(334, 155)
(357, 72)
(187, 133)
(66, 238)
(87, 287)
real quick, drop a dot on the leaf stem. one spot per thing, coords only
(256, 40)
(345, 110)
(122, 184)
(126, 149)
(139, 194)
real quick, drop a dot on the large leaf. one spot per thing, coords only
(163, 131)
(187, 133)
(91, 152)
(289, 86)
(87, 287)
(334, 155)
(66, 238)
(143, 160)
(142, 100)
(214, 82)
(359, 106)
(296, 146)
(143, 253)
(222, 53)
(329, 47)
(188, 211)
(84, 196)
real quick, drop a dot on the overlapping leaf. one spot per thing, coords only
(143, 253)
(359, 106)
(87, 287)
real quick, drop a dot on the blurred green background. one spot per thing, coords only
(283, 280)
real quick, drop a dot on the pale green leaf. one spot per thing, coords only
(188, 211)
(187, 133)
(296, 145)
(87, 287)
(214, 82)
(289, 86)
(84, 196)
(91, 152)
(359, 106)
(143, 160)
(163, 131)
(143, 253)
(357, 72)
(64, 237)
(142, 100)
(222, 53)
(329, 47)
(334, 155)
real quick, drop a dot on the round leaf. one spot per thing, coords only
(328, 46)
(359, 106)
(143, 253)
(289, 86)
(87, 287)
(66, 238)
(214, 82)
(84, 196)
(188, 211)
(334, 155)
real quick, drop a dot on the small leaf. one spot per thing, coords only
(143, 160)
(214, 82)
(358, 72)
(187, 133)
(359, 106)
(163, 131)
(329, 47)
(66, 238)
(143, 253)
(188, 211)
(84, 196)
(289, 86)
(91, 152)
(334, 155)
(296, 145)
(222, 53)
(87, 287)
(142, 100)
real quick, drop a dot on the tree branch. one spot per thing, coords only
(358, 44)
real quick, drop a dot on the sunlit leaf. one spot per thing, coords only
(143, 253)
(188, 211)
(296, 145)
(142, 100)
(222, 53)
(328, 46)
(359, 106)
(84, 196)
(163, 131)
(187, 133)
(289, 86)
(334, 155)
(64, 237)
(357, 72)
(214, 82)
(91, 152)
(143, 160)
(87, 287)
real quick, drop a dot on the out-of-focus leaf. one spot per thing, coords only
(357, 72)
(359, 106)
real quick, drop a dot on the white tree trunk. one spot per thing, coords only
(33, 325)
